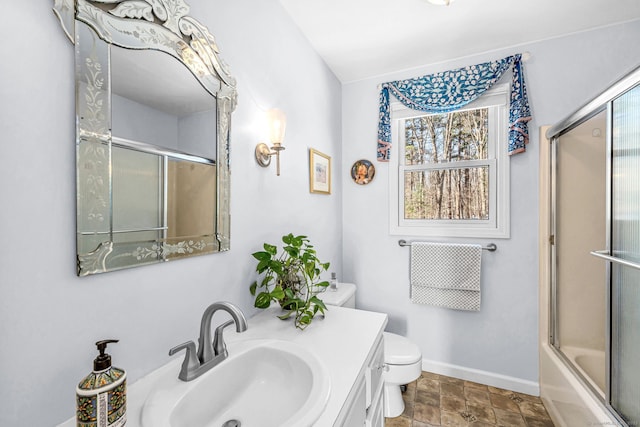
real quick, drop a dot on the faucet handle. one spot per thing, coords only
(219, 347)
(191, 363)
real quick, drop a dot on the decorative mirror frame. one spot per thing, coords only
(161, 25)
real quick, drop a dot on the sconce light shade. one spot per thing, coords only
(277, 123)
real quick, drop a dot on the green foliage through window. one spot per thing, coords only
(443, 189)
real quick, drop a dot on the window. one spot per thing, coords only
(449, 173)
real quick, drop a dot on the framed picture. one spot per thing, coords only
(362, 172)
(319, 172)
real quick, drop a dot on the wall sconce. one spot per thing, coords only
(277, 121)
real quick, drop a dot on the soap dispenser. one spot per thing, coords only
(101, 397)
(333, 282)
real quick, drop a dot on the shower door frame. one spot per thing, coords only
(601, 103)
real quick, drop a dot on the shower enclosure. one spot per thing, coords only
(594, 261)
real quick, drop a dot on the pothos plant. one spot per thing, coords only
(292, 278)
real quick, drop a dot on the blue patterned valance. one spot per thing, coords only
(450, 90)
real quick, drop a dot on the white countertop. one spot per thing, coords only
(341, 341)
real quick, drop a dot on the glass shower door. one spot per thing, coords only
(625, 265)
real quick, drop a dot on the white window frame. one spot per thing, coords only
(498, 224)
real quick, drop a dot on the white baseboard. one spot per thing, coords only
(483, 377)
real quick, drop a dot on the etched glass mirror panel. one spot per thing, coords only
(153, 108)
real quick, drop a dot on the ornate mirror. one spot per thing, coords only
(153, 110)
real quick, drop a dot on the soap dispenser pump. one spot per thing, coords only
(101, 397)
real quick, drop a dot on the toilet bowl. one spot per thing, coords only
(403, 364)
(402, 358)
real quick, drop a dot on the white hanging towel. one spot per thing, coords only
(446, 275)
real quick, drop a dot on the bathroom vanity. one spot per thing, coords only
(347, 351)
(348, 342)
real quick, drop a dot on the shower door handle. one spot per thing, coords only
(604, 254)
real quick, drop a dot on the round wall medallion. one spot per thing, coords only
(362, 172)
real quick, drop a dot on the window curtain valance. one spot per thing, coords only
(450, 90)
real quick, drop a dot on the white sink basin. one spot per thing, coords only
(263, 383)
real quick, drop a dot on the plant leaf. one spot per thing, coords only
(261, 255)
(277, 293)
(266, 280)
(272, 250)
(297, 241)
(276, 266)
(305, 319)
(262, 265)
(263, 300)
(286, 315)
(292, 251)
(317, 301)
(253, 287)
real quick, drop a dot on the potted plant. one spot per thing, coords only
(292, 278)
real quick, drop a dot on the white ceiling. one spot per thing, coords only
(365, 38)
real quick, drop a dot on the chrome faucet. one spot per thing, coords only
(209, 353)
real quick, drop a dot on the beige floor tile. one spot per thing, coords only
(426, 414)
(451, 380)
(429, 384)
(483, 413)
(479, 386)
(452, 403)
(500, 391)
(503, 402)
(451, 389)
(535, 422)
(430, 375)
(437, 401)
(398, 422)
(419, 424)
(453, 419)
(533, 410)
(477, 396)
(508, 419)
(425, 397)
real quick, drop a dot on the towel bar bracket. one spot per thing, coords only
(491, 247)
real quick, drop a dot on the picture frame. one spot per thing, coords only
(319, 172)
(363, 172)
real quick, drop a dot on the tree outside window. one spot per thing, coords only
(451, 170)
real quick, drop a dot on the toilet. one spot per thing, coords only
(402, 358)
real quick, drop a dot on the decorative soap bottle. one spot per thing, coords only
(101, 397)
(333, 282)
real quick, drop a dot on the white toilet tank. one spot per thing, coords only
(345, 296)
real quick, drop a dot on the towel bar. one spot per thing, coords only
(491, 247)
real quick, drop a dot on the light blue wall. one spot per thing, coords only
(49, 318)
(502, 338)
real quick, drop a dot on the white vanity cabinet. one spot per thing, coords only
(375, 382)
(364, 405)
(348, 342)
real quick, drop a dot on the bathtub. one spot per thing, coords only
(591, 365)
(568, 399)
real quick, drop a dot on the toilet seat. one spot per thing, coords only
(398, 350)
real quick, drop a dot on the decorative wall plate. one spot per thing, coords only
(362, 172)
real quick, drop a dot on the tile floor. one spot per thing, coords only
(437, 400)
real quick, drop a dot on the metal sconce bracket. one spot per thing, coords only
(263, 155)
